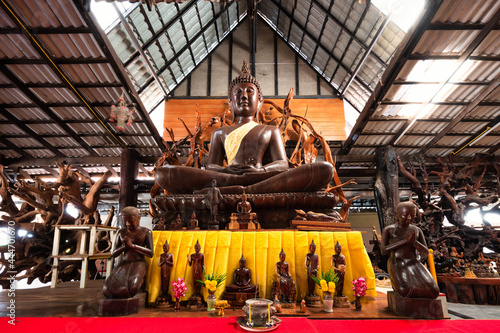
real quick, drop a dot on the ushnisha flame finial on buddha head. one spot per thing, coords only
(245, 77)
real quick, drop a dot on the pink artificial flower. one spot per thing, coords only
(359, 286)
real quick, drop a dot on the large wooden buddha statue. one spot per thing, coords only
(255, 154)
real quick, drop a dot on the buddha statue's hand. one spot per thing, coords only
(411, 237)
(128, 242)
(239, 169)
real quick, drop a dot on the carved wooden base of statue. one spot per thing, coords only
(341, 302)
(237, 299)
(195, 302)
(122, 306)
(415, 307)
(213, 225)
(243, 221)
(313, 301)
(287, 301)
(321, 225)
(275, 210)
(164, 302)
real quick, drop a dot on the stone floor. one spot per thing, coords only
(471, 311)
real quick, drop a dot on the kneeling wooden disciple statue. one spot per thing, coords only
(415, 290)
(406, 244)
(134, 242)
(284, 286)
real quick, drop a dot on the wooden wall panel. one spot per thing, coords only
(326, 115)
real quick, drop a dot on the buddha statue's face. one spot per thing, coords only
(166, 247)
(197, 247)
(405, 213)
(244, 100)
(282, 256)
(338, 248)
(243, 262)
(131, 222)
(312, 247)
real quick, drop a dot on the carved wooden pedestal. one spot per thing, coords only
(195, 302)
(313, 301)
(237, 299)
(122, 306)
(243, 221)
(415, 307)
(341, 302)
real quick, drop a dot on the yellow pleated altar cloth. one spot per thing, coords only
(223, 250)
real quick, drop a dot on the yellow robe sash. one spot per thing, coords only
(233, 140)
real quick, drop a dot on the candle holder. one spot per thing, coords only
(258, 312)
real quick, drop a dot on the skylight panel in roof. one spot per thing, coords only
(186, 62)
(199, 50)
(308, 47)
(295, 36)
(177, 36)
(166, 12)
(341, 45)
(233, 16)
(340, 9)
(105, 12)
(283, 26)
(300, 13)
(211, 38)
(403, 13)
(315, 23)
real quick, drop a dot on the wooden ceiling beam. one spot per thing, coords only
(39, 162)
(47, 31)
(111, 169)
(29, 94)
(144, 170)
(30, 133)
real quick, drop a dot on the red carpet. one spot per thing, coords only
(207, 325)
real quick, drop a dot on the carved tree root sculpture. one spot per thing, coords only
(32, 254)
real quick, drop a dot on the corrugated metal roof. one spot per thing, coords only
(61, 74)
(448, 81)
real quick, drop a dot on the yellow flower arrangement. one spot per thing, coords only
(328, 281)
(212, 281)
(211, 284)
(323, 285)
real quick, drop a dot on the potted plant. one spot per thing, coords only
(327, 283)
(212, 282)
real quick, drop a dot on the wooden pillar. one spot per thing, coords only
(128, 176)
